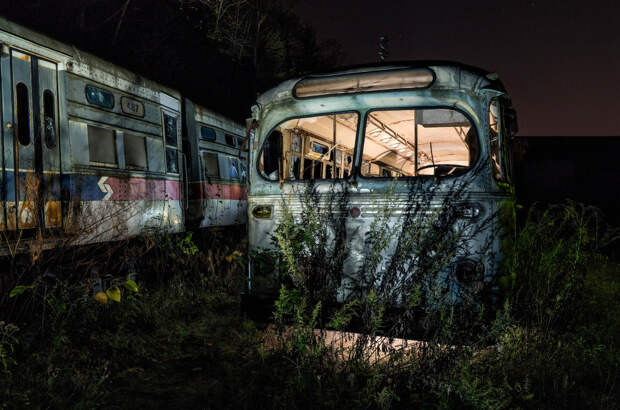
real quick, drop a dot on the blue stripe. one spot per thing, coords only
(65, 187)
(9, 186)
(81, 187)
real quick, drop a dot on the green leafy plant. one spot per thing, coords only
(8, 342)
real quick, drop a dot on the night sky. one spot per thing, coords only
(559, 60)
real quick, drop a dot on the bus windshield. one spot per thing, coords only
(396, 144)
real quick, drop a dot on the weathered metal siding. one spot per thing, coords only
(164, 210)
(143, 200)
(213, 200)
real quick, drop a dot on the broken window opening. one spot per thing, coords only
(494, 142)
(135, 151)
(310, 148)
(101, 146)
(207, 133)
(210, 164)
(230, 140)
(410, 143)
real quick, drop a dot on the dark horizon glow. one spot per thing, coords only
(558, 60)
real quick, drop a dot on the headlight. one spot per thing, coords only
(467, 271)
(471, 210)
(262, 211)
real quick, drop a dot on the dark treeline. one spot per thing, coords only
(220, 53)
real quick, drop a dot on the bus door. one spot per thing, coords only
(31, 186)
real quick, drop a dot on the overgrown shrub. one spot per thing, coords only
(73, 349)
(181, 340)
(551, 340)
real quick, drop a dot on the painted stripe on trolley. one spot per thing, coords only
(97, 187)
(205, 190)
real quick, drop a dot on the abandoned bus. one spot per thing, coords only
(390, 136)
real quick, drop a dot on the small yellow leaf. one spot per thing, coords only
(232, 256)
(114, 293)
(101, 297)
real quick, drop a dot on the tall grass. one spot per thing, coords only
(183, 341)
(549, 340)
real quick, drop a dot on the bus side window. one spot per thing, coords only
(305, 148)
(295, 164)
(272, 154)
(494, 140)
(507, 126)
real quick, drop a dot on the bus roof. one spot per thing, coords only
(445, 75)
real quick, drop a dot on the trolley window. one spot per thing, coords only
(170, 129)
(101, 146)
(171, 139)
(207, 133)
(23, 114)
(172, 161)
(242, 171)
(234, 168)
(210, 164)
(135, 151)
(230, 140)
(99, 97)
(49, 119)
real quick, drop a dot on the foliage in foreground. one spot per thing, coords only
(182, 340)
(551, 343)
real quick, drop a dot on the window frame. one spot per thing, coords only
(233, 138)
(146, 153)
(214, 139)
(358, 170)
(303, 141)
(361, 74)
(500, 155)
(54, 144)
(21, 115)
(203, 167)
(111, 107)
(167, 146)
(115, 145)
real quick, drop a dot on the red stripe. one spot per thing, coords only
(134, 189)
(204, 190)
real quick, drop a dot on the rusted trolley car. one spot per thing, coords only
(94, 151)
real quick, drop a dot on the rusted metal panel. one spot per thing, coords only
(53, 215)
(2, 217)
(11, 211)
(216, 189)
(26, 215)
